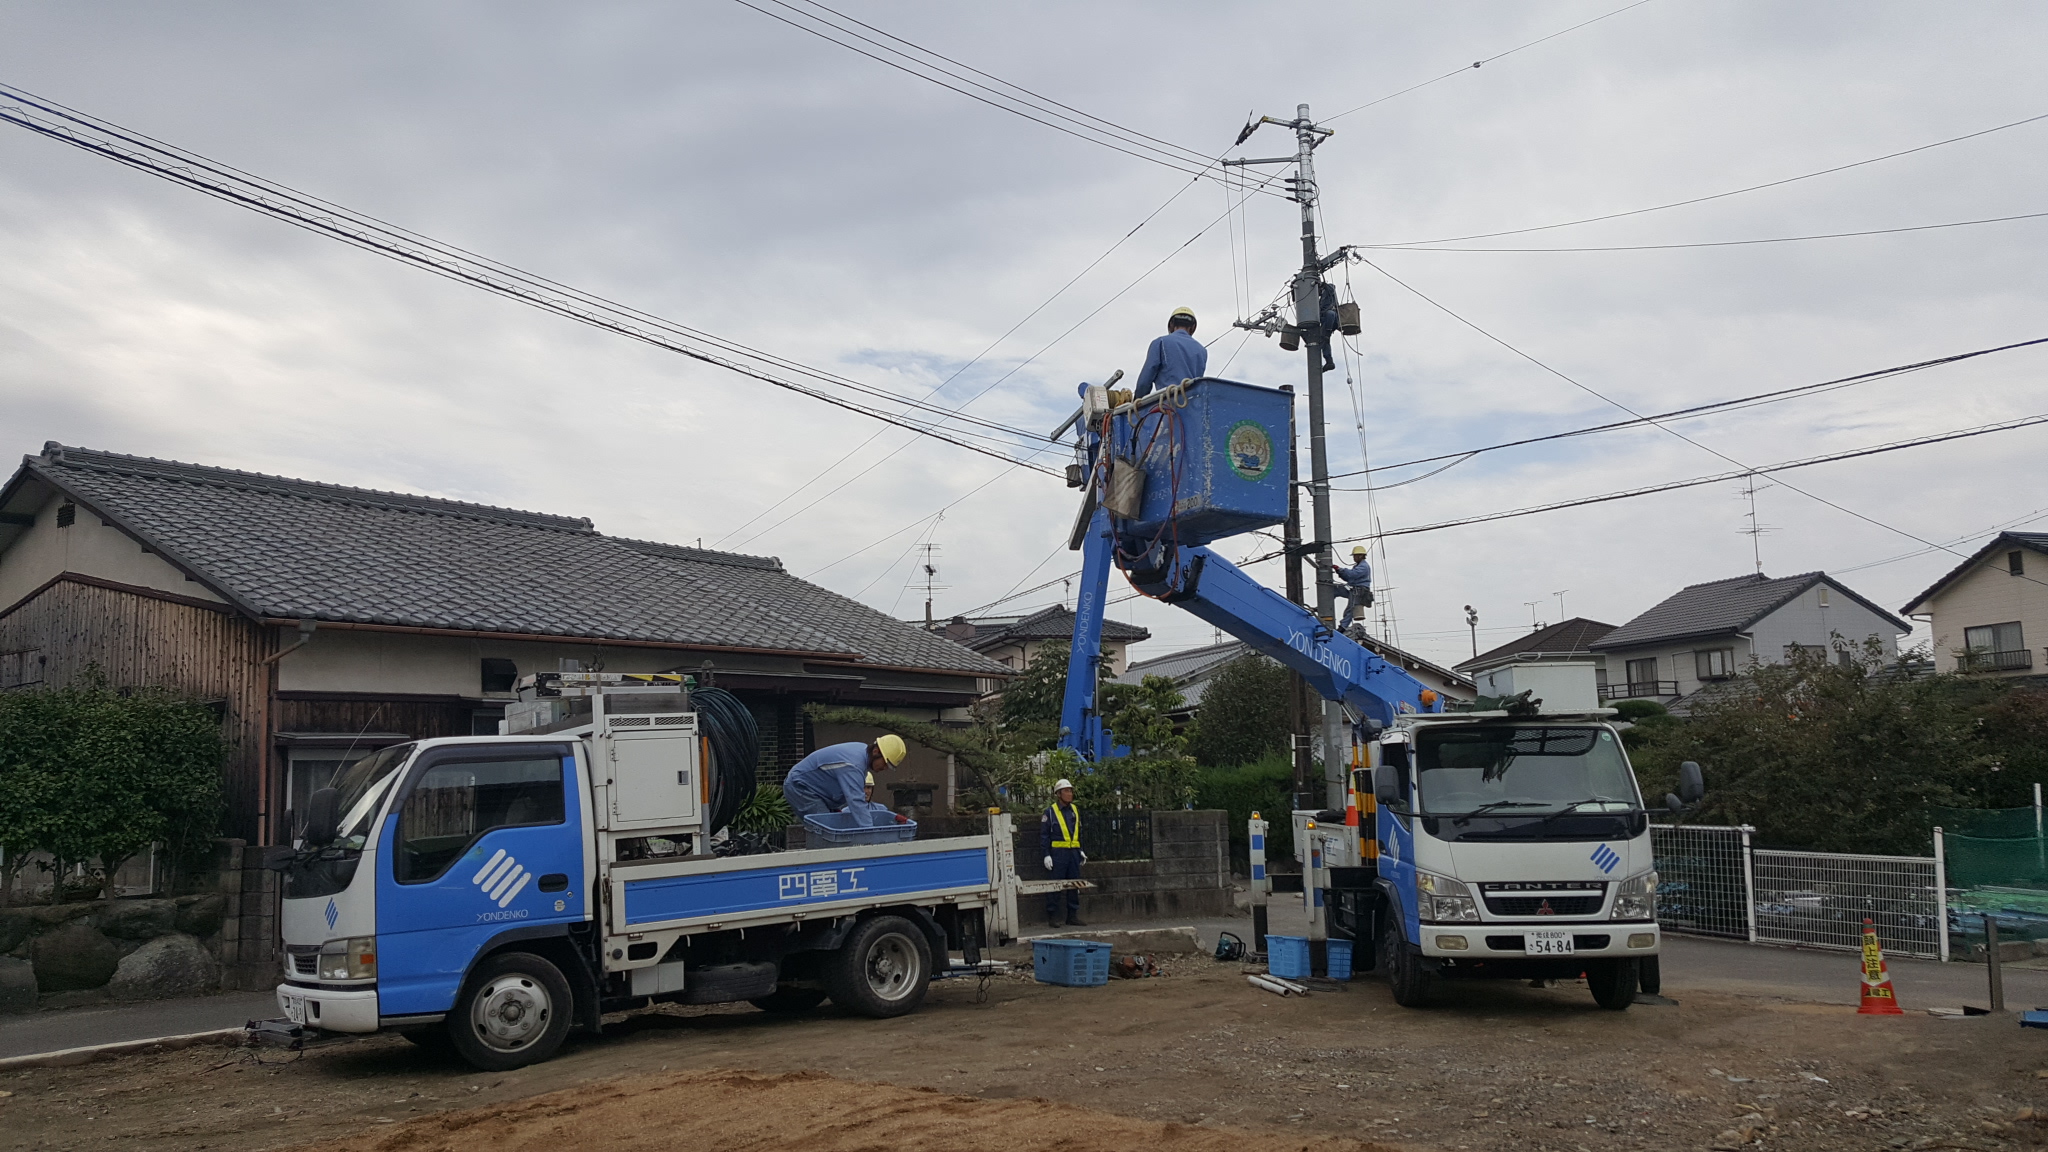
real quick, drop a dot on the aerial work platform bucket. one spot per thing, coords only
(1213, 455)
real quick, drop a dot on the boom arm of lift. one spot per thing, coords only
(1201, 582)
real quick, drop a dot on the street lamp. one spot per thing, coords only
(1472, 622)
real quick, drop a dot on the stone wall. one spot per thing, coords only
(144, 947)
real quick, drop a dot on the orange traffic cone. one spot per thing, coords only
(1878, 997)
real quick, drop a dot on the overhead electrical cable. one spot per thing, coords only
(191, 170)
(1719, 243)
(1717, 195)
(1697, 410)
(1464, 68)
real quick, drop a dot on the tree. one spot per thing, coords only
(90, 775)
(1833, 755)
(1141, 715)
(1244, 713)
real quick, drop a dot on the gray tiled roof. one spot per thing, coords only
(1574, 635)
(1721, 606)
(285, 548)
(1054, 623)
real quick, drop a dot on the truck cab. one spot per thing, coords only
(1509, 846)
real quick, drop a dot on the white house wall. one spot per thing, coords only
(1989, 594)
(88, 547)
(1806, 621)
(1675, 662)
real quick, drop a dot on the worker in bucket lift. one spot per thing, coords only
(836, 778)
(1355, 585)
(1174, 357)
(1059, 835)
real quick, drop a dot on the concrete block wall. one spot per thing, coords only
(1188, 875)
(248, 934)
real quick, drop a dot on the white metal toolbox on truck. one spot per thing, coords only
(495, 892)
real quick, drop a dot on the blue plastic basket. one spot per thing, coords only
(1074, 963)
(1287, 956)
(853, 828)
(1340, 960)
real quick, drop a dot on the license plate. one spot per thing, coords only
(295, 1009)
(1547, 943)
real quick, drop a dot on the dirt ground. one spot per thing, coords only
(1139, 1064)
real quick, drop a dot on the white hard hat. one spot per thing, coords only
(1063, 784)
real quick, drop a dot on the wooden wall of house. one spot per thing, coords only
(420, 719)
(145, 641)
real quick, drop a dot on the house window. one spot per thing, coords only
(1642, 677)
(2016, 563)
(67, 515)
(1793, 650)
(1713, 663)
(499, 675)
(454, 803)
(1995, 648)
(1823, 595)
(310, 769)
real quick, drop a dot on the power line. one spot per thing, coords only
(1698, 410)
(281, 202)
(1464, 68)
(1717, 195)
(1723, 243)
(1720, 478)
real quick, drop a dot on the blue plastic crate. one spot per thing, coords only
(853, 828)
(1287, 956)
(1074, 963)
(1340, 960)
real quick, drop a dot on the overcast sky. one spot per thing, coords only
(716, 167)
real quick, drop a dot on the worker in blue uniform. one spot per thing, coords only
(1174, 357)
(1059, 836)
(835, 778)
(1355, 584)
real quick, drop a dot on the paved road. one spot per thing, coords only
(107, 1024)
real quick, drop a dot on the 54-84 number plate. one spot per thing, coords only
(1547, 943)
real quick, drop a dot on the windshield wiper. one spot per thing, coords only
(1483, 809)
(1577, 804)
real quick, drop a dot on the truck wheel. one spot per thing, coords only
(514, 1011)
(1613, 983)
(788, 1001)
(1649, 976)
(1404, 969)
(881, 970)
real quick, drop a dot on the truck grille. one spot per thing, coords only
(1543, 905)
(306, 965)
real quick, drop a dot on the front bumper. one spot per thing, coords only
(329, 1009)
(1495, 940)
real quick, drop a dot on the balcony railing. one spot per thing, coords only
(2017, 660)
(1640, 689)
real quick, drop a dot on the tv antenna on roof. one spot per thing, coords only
(1755, 531)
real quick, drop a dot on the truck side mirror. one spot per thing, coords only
(322, 817)
(1691, 785)
(1386, 785)
(1674, 803)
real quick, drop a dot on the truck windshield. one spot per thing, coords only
(1521, 770)
(362, 790)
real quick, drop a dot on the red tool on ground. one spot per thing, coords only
(1878, 997)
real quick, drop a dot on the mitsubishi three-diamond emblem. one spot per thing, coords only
(501, 878)
(333, 913)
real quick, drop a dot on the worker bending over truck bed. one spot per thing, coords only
(835, 778)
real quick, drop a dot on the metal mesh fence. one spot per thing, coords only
(1120, 834)
(1979, 862)
(1701, 888)
(1821, 900)
(1989, 823)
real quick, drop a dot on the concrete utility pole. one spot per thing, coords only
(1307, 328)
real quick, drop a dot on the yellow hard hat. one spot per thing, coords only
(1358, 551)
(1177, 313)
(892, 748)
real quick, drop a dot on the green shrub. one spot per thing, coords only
(1262, 786)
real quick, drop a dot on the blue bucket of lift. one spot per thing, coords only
(1214, 459)
(1287, 956)
(1073, 963)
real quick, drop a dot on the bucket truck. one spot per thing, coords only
(1510, 842)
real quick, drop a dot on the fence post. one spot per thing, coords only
(1941, 889)
(1748, 884)
(1262, 884)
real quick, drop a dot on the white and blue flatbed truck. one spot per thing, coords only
(493, 893)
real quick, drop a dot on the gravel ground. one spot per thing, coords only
(1494, 1066)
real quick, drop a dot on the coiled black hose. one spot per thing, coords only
(735, 748)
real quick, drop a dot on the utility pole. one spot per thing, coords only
(931, 575)
(1308, 331)
(1299, 708)
(1472, 622)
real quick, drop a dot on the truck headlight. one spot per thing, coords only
(1636, 898)
(1443, 898)
(354, 958)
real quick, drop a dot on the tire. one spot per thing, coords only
(789, 1001)
(1649, 976)
(515, 1010)
(1613, 983)
(882, 969)
(1404, 970)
